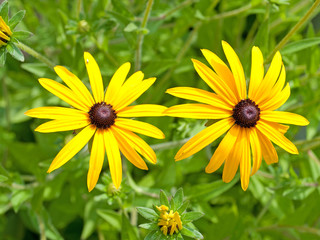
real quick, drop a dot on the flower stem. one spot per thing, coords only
(293, 30)
(169, 145)
(141, 35)
(35, 54)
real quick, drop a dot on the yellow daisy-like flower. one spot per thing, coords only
(169, 221)
(104, 116)
(5, 32)
(249, 120)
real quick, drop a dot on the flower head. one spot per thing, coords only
(103, 117)
(169, 221)
(250, 120)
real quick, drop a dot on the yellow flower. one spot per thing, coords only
(169, 221)
(104, 116)
(5, 32)
(249, 120)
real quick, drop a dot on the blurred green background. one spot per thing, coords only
(282, 201)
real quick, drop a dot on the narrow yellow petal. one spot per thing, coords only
(199, 96)
(277, 101)
(96, 159)
(197, 111)
(223, 150)
(139, 127)
(2, 43)
(60, 125)
(133, 94)
(56, 113)
(284, 117)
(269, 153)
(142, 110)
(5, 26)
(72, 147)
(236, 69)
(256, 151)
(257, 72)
(75, 85)
(116, 82)
(215, 83)
(245, 162)
(128, 151)
(137, 143)
(94, 77)
(114, 158)
(203, 138)
(275, 136)
(3, 36)
(63, 93)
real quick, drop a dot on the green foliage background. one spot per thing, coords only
(282, 201)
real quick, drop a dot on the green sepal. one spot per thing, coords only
(15, 52)
(16, 19)
(183, 207)
(164, 199)
(190, 232)
(3, 56)
(156, 209)
(147, 213)
(191, 216)
(22, 35)
(149, 226)
(178, 199)
(4, 10)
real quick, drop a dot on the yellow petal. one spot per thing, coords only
(268, 151)
(142, 110)
(128, 151)
(257, 72)
(197, 111)
(95, 77)
(256, 150)
(275, 136)
(236, 69)
(223, 150)
(72, 147)
(135, 93)
(203, 138)
(221, 69)
(56, 113)
(60, 125)
(63, 93)
(3, 36)
(245, 162)
(96, 159)
(116, 82)
(114, 158)
(5, 27)
(284, 117)
(137, 143)
(139, 127)
(199, 96)
(75, 85)
(215, 83)
(277, 101)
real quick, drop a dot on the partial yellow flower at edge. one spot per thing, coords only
(5, 32)
(250, 121)
(103, 117)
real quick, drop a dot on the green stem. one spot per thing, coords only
(41, 228)
(141, 35)
(35, 54)
(169, 145)
(231, 13)
(293, 30)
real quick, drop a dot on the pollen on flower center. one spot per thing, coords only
(102, 115)
(169, 221)
(246, 113)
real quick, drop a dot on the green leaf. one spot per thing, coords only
(4, 10)
(300, 45)
(178, 199)
(190, 232)
(191, 216)
(147, 213)
(154, 235)
(3, 56)
(15, 52)
(183, 207)
(163, 198)
(298, 193)
(131, 27)
(21, 35)
(18, 198)
(16, 19)
(128, 231)
(3, 178)
(38, 69)
(110, 217)
(149, 226)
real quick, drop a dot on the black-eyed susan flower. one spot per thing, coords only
(170, 220)
(250, 120)
(105, 117)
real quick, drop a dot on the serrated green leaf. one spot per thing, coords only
(191, 216)
(21, 35)
(149, 226)
(163, 198)
(152, 236)
(4, 10)
(183, 207)
(16, 19)
(15, 52)
(300, 45)
(190, 232)
(147, 213)
(178, 199)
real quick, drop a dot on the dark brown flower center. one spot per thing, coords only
(246, 113)
(102, 115)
